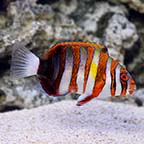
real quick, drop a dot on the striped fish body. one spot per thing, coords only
(74, 67)
(83, 68)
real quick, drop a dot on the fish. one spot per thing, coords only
(83, 68)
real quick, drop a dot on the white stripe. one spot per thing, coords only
(128, 86)
(91, 80)
(67, 74)
(106, 91)
(118, 83)
(81, 71)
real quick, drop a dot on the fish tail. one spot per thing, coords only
(24, 63)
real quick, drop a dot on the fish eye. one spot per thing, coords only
(124, 77)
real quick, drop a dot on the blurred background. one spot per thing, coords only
(38, 24)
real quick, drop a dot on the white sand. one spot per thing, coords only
(97, 122)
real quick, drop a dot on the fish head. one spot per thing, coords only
(127, 83)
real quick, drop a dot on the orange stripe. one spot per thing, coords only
(101, 73)
(76, 61)
(114, 64)
(123, 83)
(90, 52)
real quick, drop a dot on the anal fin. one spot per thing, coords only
(84, 99)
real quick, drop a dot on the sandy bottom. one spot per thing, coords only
(97, 122)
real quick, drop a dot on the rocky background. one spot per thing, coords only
(39, 24)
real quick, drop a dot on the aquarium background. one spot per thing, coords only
(39, 24)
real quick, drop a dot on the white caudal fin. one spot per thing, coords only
(24, 63)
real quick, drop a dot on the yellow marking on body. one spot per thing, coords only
(93, 70)
(94, 64)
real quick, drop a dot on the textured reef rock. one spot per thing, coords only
(120, 34)
(135, 57)
(110, 25)
(39, 24)
(137, 5)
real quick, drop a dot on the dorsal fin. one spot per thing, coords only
(69, 43)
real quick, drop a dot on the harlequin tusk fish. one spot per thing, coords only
(74, 67)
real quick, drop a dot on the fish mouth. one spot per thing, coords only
(132, 86)
(132, 91)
